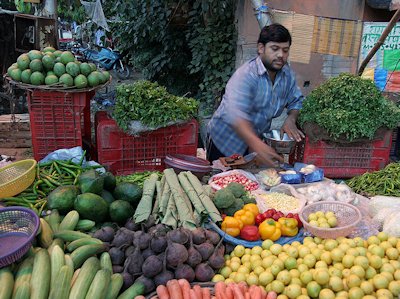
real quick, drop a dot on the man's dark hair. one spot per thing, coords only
(274, 33)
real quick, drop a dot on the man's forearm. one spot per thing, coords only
(245, 130)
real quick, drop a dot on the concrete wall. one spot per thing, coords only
(321, 66)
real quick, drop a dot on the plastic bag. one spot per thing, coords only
(379, 202)
(282, 188)
(380, 217)
(239, 172)
(326, 190)
(316, 175)
(391, 226)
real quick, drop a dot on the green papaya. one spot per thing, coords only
(91, 181)
(91, 206)
(62, 198)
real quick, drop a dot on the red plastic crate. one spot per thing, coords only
(124, 154)
(345, 160)
(58, 120)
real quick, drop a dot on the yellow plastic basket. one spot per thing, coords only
(16, 177)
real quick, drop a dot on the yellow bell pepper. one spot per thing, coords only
(252, 207)
(246, 217)
(231, 226)
(270, 229)
(289, 226)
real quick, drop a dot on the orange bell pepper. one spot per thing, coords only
(289, 226)
(231, 226)
(270, 229)
(252, 207)
(247, 217)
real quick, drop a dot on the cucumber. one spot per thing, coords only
(6, 283)
(63, 280)
(46, 234)
(69, 262)
(83, 241)
(40, 281)
(99, 285)
(54, 220)
(75, 276)
(58, 242)
(134, 290)
(105, 261)
(85, 225)
(70, 235)
(57, 260)
(70, 221)
(115, 286)
(22, 291)
(24, 274)
(85, 278)
(82, 253)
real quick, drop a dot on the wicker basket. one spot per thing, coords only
(18, 228)
(348, 216)
(16, 177)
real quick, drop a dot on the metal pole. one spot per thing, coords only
(380, 42)
(261, 12)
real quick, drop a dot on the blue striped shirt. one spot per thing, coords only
(250, 95)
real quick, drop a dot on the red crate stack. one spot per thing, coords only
(123, 154)
(58, 120)
(345, 160)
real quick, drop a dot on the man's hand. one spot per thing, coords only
(266, 155)
(289, 127)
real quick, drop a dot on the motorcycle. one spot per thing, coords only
(106, 58)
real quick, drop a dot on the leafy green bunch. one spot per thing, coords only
(151, 104)
(349, 106)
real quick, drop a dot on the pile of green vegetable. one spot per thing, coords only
(232, 198)
(349, 106)
(382, 182)
(151, 104)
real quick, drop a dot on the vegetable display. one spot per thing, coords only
(150, 104)
(349, 106)
(381, 182)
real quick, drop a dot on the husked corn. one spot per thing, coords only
(280, 201)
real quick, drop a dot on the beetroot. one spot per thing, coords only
(163, 277)
(147, 252)
(152, 266)
(205, 249)
(129, 250)
(131, 225)
(148, 283)
(142, 239)
(158, 243)
(204, 272)
(198, 235)
(159, 230)
(122, 237)
(176, 254)
(194, 257)
(117, 256)
(128, 280)
(105, 234)
(184, 271)
(212, 236)
(179, 235)
(133, 264)
(217, 260)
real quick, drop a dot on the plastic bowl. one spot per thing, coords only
(199, 167)
(18, 227)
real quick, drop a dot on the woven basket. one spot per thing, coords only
(16, 177)
(18, 228)
(348, 216)
(209, 285)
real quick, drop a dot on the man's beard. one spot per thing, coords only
(269, 66)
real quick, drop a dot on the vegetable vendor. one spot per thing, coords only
(255, 94)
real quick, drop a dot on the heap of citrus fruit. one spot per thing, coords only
(51, 66)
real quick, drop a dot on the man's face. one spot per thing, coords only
(274, 55)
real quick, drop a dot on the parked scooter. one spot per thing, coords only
(106, 58)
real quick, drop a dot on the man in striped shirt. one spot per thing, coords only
(255, 94)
